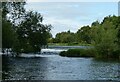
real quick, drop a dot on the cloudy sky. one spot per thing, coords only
(64, 16)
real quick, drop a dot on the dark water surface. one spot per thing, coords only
(55, 67)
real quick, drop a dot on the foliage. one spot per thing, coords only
(83, 34)
(8, 34)
(105, 36)
(65, 37)
(78, 53)
(23, 31)
(32, 34)
(15, 9)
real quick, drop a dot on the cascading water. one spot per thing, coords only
(44, 53)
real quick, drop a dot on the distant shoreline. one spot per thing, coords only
(68, 44)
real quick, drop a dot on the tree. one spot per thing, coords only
(96, 23)
(32, 34)
(15, 10)
(65, 37)
(23, 31)
(83, 34)
(8, 35)
(105, 37)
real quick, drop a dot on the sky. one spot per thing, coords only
(64, 16)
(72, 0)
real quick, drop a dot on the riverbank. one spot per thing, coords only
(68, 44)
(78, 53)
(89, 52)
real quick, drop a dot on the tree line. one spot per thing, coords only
(104, 36)
(22, 31)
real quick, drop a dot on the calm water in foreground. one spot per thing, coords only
(54, 67)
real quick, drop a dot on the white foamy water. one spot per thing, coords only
(27, 55)
(35, 55)
(44, 53)
(1, 53)
(52, 50)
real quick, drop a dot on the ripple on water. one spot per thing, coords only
(60, 68)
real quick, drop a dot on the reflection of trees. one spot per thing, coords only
(5, 67)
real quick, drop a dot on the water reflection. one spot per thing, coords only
(26, 69)
(60, 68)
(105, 70)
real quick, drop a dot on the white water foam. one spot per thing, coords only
(44, 53)
(52, 50)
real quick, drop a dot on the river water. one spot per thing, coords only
(51, 66)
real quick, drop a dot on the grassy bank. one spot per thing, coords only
(68, 44)
(91, 52)
(78, 53)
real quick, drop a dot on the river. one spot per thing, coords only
(50, 66)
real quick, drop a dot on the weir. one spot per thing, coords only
(44, 53)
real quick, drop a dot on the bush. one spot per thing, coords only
(89, 53)
(78, 53)
(63, 53)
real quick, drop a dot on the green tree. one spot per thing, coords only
(105, 37)
(32, 34)
(8, 35)
(83, 34)
(65, 37)
(23, 31)
(15, 10)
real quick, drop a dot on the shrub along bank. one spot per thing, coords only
(78, 53)
(88, 53)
